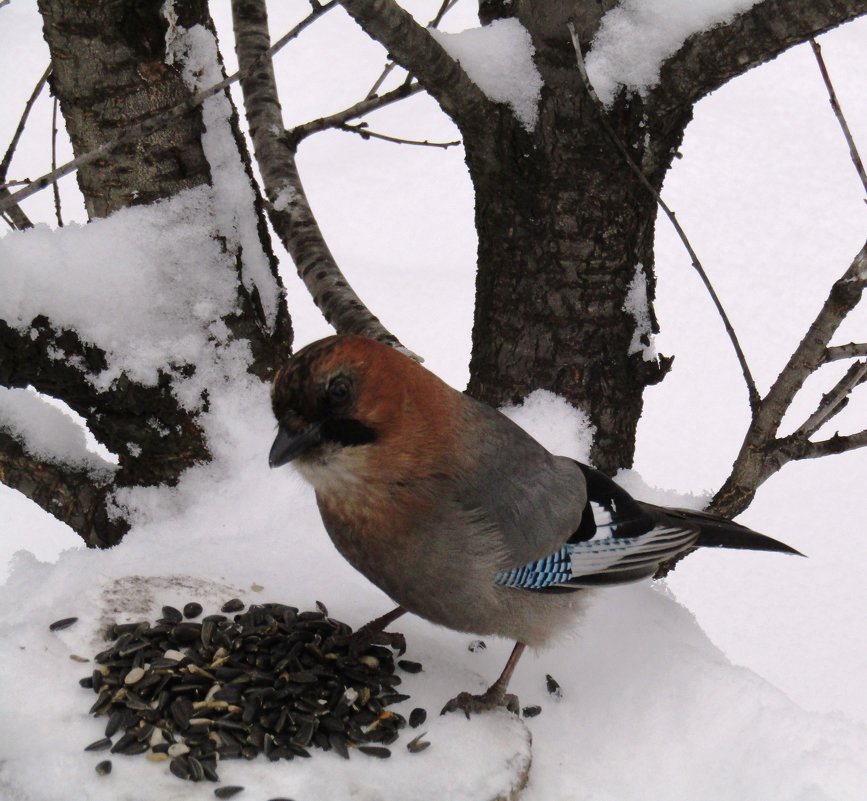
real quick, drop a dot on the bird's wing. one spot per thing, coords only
(618, 541)
(531, 499)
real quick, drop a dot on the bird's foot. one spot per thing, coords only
(493, 698)
(361, 640)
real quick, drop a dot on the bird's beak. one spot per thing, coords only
(288, 444)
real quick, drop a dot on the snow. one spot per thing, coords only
(741, 677)
(86, 277)
(196, 49)
(637, 36)
(499, 60)
(46, 432)
(554, 422)
(636, 304)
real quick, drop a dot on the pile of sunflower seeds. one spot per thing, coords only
(271, 680)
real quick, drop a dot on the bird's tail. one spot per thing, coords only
(717, 532)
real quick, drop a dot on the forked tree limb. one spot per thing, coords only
(289, 210)
(411, 46)
(762, 454)
(301, 132)
(15, 215)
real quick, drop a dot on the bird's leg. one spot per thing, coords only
(373, 633)
(495, 696)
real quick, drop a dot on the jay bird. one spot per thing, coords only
(457, 513)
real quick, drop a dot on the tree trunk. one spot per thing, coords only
(109, 70)
(565, 231)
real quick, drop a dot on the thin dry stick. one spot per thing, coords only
(833, 401)
(365, 106)
(838, 111)
(152, 123)
(54, 186)
(362, 130)
(754, 396)
(13, 214)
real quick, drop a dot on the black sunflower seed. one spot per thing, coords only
(531, 711)
(64, 623)
(192, 609)
(104, 768)
(375, 751)
(228, 791)
(99, 745)
(233, 605)
(417, 717)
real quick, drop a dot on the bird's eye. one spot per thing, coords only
(339, 391)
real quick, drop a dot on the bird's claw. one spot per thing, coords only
(361, 640)
(492, 699)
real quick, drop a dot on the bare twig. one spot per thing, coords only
(833, 401)
(827, 447)
(353, 112)
(289, 210)
(850, 351)
(696, 263)
(413, 47)
(762, 454)
(148, 125)
(54, 186)
(365, 133)
(13, 213)
(838, 111)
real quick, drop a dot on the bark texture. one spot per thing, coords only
(110, 71)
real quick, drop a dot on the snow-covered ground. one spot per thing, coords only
(740, 677)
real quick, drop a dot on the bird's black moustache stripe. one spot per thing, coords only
(347, 432)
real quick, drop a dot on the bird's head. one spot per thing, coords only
(348, 407)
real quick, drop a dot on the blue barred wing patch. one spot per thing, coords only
(553, 569)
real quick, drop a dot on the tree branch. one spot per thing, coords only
(710, 58)
(762, 454)
(289, 210)
(850, 351)
(838, 112)
(57, 363)
(419, 53)
(834, 401)
(301, 132)
(74, 497)
(827, 447)
(365, 133)
(18, 219)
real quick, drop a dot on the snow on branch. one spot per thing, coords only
(289, 209)
(753, 36)
(73, 496)
(46, 433)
